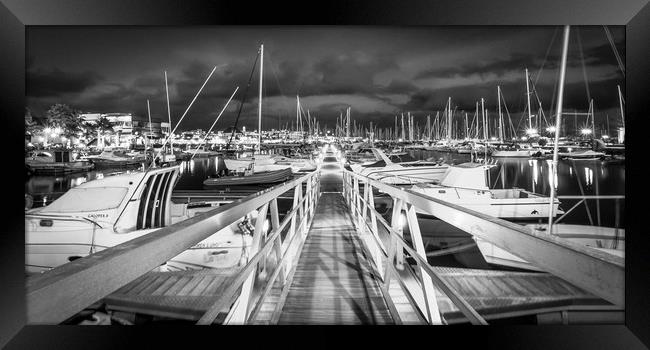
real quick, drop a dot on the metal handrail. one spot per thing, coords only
(442, 284)
(54, 296)
(247, 272)
(595, 271)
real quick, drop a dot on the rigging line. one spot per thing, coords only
(241, 105)
(214, 123)
(163, 146)
(512, 127)
(548, 50)
(584, 68)
(611, 43)
(277, 81)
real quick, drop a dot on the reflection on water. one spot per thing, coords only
(573, 178)
(578, 177)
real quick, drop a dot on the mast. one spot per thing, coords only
(620, 102)
(466, 127)
(558, 116)
(500, 114)
(449, 119)
(297, 112)
(530, 122)
(259, 108)
(485, 133)
(149, 113)
(169, 113)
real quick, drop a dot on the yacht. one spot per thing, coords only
(400, 170)
(115, 209)
(467, 185)
(56, 162)
(116, 157)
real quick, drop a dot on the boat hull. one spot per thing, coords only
(257, 178)
(403, 175)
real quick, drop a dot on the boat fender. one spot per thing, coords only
(29, 202)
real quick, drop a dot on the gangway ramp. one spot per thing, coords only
(333, 282)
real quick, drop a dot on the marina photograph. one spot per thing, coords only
(325, 175)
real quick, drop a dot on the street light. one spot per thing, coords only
(550, 129)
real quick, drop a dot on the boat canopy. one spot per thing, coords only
(467, 175)
(82, 199)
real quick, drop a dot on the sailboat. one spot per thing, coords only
(604, 239)
(115, 209)
(267, 162)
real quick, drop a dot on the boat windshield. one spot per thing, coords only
(87, 199)
(377, 164)
(402, 158)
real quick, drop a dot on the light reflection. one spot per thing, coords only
(192, 166)
(589, 176)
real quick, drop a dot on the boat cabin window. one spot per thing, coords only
(88, 199)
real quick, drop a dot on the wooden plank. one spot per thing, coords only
(598, 272)
(333, 283)
(58, 294)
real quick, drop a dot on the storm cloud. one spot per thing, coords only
(378, 72)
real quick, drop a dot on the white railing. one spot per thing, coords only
(384, 259)
(597, 272)
(56, 295)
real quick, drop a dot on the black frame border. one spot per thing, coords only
(15, 15)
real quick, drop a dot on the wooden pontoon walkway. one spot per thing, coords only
(332, 283)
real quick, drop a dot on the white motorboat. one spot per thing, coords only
(582, 155)
(116, 157)
(400, 173)
(115, 209)
(467, 185)
(512, 151)
(605, 239)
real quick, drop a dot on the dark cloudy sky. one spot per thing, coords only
(378, 71)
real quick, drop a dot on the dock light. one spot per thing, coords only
(493, 138)
(605, 137)
(531, 131)
(399, 140)
(550, 129)
(47, 130)
(524, 138)
(57, 130)
(585, 131)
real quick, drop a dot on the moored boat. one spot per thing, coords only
(115, 209)
(467, 185)
(56, 162)
(409, 172)
(263, 177)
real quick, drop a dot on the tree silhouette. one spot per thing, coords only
(64, 117)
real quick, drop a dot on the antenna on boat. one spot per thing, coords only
(558, 116)
(214, 123)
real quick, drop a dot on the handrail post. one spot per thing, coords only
(430, 300)
(375, 231)
(241, 308)
(364, 214)
(275, 223)
(397, 226)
